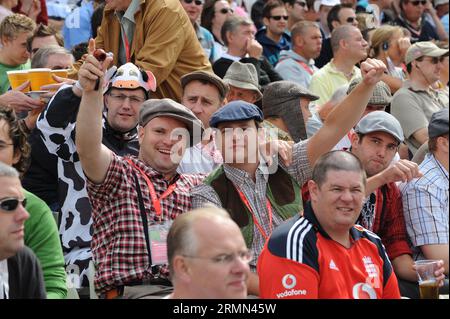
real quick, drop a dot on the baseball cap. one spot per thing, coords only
(381, 94)
(243, 76)
(438, 123)
(205, 76)
(236, 111)
(424, 48)
(329, 3)
(166, 107)
(380, 121)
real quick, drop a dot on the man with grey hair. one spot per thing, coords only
(238, 34)
(52, 57)
(349, 48)
(242, 79)
(20, 273)
(207, 256)
(297, 64)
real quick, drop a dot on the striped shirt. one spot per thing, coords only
(426, 205)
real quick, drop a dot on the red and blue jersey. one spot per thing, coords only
(300, 260)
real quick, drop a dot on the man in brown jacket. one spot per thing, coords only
(157, 36)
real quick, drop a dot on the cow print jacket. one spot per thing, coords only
(56, 126)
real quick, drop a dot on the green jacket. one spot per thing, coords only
(283, 192)
(41, 236)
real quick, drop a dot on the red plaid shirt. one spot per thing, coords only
(118, 243)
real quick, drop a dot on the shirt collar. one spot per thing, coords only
(438, 164)
(238, 176)
(153, 173)
(130, 12)
(334, 70)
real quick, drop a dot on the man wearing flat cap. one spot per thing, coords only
(416, 101)
(258, 200)
(134, 199)
(203, 93)
(426, 200)
(286, 107)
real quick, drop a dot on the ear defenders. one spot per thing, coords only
(385, 46)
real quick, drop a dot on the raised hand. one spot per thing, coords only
(254, 49)
(403, 171)
(93, 69)
(372, 70)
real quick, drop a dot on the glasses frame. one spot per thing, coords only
(278, 18)
(196, 2)
(350, 19)
(302, 4)
(122, 98)
(416, 3)
(17, 201)
(225, 11)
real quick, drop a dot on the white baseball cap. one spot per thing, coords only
(329, 3)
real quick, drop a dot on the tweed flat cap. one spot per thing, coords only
(205, 76)
(243, 76)
(381, 93)
(166, 107)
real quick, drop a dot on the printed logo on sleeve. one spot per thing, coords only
(289, 281)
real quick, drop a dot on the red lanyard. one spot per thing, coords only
(155, 200)
(306, 67)
(126, 44)
(269, 209)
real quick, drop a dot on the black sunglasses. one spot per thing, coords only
(301, 3)
(351, 19)
(226, 10)
(278, 18)
(416, 3)
(10, 204)
(435, 59)
(197, 2)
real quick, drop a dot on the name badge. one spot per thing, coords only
(158, 242)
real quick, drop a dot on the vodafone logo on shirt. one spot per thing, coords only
(289, 281)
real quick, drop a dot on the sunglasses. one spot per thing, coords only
(10, 204)
(278, 18)
(416, 3)
(351, 19)
(301, 3)
(435, 59)
(226, 10)
(197, 2)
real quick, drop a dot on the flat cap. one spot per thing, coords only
(425, 48)
(381, 93)
(236, 111)
(166, 107)
(438, 123)
(205, 76)
(380, 121)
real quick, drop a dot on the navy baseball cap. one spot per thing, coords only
(236, 111)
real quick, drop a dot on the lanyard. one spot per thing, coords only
(126, 44)
(306, 67)
(155, 200)
(255, 221)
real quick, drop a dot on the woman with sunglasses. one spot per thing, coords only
(415, 15)
(214, 14)
(41, 233)
(389, 44)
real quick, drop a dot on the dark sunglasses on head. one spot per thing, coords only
(351, 19)
(197, 2)
(278, 18)
(10, 204)
(416, 3)
(226, 10)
